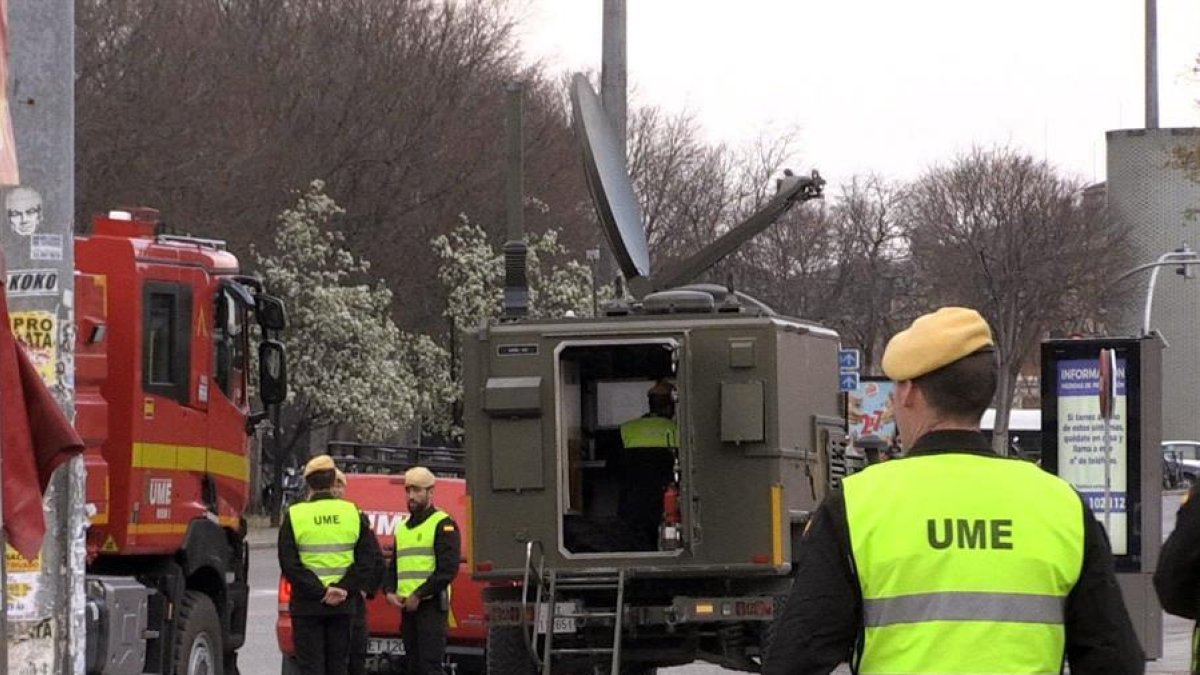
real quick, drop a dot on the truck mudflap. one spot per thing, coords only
(682, 610)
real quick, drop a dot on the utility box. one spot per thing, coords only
(1129, 500)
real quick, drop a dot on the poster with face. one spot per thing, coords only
(24, 208)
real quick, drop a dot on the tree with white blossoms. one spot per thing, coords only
(348, 362)
(472, 272)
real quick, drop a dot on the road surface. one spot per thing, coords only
(261, 653)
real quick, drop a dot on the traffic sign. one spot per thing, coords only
(848, 381)
(848, 359)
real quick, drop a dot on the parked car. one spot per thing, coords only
(1181, 463)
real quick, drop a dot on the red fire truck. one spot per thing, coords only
(163, 404)
(374, 482)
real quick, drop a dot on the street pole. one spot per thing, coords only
(593, 257)
(1184, 258)
(1151, 64)
(41, 46)
(613, 97)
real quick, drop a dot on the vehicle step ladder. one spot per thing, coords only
(558, 581)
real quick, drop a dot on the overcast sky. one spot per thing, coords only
(892, 86)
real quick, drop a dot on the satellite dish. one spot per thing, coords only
(612, 191)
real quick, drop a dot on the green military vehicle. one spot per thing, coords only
(575, 587)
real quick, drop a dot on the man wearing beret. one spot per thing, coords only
(427, 552)
(952, 559)
(327, 551)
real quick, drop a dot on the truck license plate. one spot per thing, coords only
(392, 646)
(562, 624)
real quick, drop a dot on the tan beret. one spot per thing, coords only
(339, 478)
(419, 476)
(935, 340)
(319, 463)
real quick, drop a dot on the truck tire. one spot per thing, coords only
(198, 637)
(507, 653)
(769, 632)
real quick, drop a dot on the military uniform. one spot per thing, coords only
(1177, 578)
(426, 551)
(324, 542)
(952, 559)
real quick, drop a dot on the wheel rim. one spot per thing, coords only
(200, 660)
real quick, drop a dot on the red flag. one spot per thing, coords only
(35, 438)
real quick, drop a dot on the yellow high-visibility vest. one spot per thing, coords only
(649, 432)
(326, 531)
(965, 563)
(415, 559)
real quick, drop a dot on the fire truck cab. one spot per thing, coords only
(164, 406)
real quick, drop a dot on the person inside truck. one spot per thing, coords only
(359, 636)
(952, 559)
(326, 548)
(427, 550)
(648, 465)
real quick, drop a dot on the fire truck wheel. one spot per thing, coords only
(198, 638)
(507, 653)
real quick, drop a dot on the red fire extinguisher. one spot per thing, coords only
(668, 530)
(671, 504)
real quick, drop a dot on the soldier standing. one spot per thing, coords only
(648, 464)
(325, 551)
(1177, 577)
(952, 559)
(358, 601)
(426, 551)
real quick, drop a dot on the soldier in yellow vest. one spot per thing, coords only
(426, 552)
(952, 559)
(359, 635)
(647, 465)
(325, 551)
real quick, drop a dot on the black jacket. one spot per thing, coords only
(447, 550)
(1177, 578)
(307, 590)
(820, 624)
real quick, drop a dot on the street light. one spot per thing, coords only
(1183, 256)
(593, 257)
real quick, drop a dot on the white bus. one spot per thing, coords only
(1024, 430)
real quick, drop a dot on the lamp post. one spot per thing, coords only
(593, 257)
(1183, 256)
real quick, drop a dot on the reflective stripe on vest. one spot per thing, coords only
(964, 562)
(649, 432)
(415, 558)
(326, 531)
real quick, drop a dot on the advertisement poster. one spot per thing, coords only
(21, 586)
(1081, 443)
(869, 412)
(36, 331)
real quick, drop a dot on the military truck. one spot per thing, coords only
(760, 439)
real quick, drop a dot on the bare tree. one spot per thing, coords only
(878, 287)
(1007, 235)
